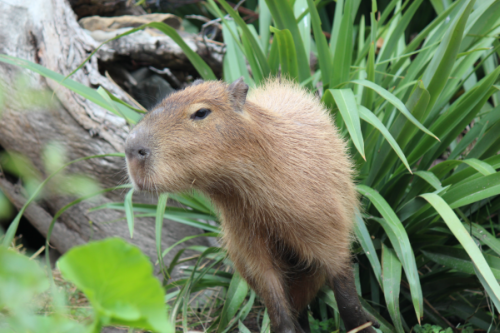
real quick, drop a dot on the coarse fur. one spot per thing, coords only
(278, 172)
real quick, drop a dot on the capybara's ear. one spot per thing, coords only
(238, 91)
(197, 82)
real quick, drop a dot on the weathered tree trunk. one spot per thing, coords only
(46, 32)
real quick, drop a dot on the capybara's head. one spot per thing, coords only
(186, 141)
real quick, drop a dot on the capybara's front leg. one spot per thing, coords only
(262, 271)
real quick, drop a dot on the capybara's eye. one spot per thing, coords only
(200, 114)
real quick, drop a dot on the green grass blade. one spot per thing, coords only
(439, 69)
(238, 290)
(399, 240)
(392, 281)
(265, 327)
(324, 56)
(484, 236)
(385, 326)
(484, 168)
(430, 178)
(138, 109)
(337, 20)
(104, 94)
(187, 238)
(468, 243)
(128, 212)
(300, 7)
(11, 231)
(369, 117)
(391, 42)
(396, 102)
(264, 23)
(242, 328)
(288, 57)
(473, 190)
(248, 36)
(346, 103)
(160, 211)
(234, 59)
(342, 57)
(367, 97)
(367, 244)
(62, 210)
(283, 16)
(77, 87)
(458, 259)
(201, 66)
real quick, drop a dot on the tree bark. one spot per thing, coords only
(46, 32)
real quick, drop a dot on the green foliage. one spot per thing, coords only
(428, 328)
(114, 275)
(429, 192)
(20, 279)
(119, 283)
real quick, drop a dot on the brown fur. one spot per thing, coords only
(279, 174)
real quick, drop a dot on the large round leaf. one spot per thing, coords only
(118, 281)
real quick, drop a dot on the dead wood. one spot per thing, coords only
(47, 32)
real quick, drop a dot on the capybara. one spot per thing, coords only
(280, 176)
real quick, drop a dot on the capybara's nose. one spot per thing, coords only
(137, 152)
(136, 148)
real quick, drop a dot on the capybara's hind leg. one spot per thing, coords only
(350, 308)
(303, 320)
(302, 289)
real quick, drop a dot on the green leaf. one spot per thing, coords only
(392, 40)
(324, 56)
(82, 90)
(234, 59)
(473, 190)
(369, 117)
(400, 242)
(288, 57)
(238, 290)
(437, 72)
(264, 23)
(284, 18)
(346, 103)
(342, 55)
(265, 327)
(467, 242)
(367, 244)
(396, 102)
(242, 328)
(484, 236)
(20, 280)
(430, 178)
(128, 211)
(104, 94)
(201, 66)
(458, 259)
(172, 213)
(392, 281)
(484, 168)
(160, 212)
(11, 231)
(118, 281)
(367, 98)
(248, 37)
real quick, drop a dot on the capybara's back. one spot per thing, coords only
(279, 173)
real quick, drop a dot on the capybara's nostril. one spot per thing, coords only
(137, 152)
(144, 152)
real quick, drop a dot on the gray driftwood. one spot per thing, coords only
(47, 32)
